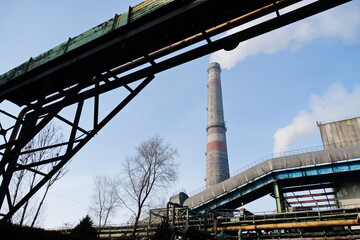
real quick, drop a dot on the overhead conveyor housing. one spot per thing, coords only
(337, 164)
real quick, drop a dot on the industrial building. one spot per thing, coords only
(315, 192)
(303, 184)
(322, 182)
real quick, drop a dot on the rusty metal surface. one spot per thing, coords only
(147, 7)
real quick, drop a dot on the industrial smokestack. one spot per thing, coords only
(217, 165)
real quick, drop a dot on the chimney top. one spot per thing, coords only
(214, 65)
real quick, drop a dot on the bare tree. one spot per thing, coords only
(151, 169)
(24, 179)
(104, 200)
(52, 180)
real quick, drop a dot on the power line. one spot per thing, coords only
(69, 199)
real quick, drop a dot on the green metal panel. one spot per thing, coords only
(95, 33)
(91, 34)
(122, 19)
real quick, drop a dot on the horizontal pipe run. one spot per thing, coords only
(331, 223)
(208, 33)
(261, 28)
(319, 238)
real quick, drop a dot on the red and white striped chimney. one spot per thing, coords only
(217, 165)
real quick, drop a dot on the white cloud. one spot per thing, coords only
(342, 23)
(336, 103)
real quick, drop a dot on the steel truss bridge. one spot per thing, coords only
(125, 52)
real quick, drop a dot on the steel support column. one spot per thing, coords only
(278, 198)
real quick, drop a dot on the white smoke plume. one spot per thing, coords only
(342, 22)
(336, 103)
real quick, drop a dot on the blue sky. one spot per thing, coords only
(276, 85)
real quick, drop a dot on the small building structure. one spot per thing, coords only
(340, 133)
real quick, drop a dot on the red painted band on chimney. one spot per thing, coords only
(216, 145)
(214, 81)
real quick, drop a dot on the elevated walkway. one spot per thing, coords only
(337, 164)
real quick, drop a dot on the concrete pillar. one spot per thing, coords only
(217, 166)
(348, 194)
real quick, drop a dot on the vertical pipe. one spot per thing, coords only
(187, 217)
(206, 220)
(278, 198)
(149, 223)
(240, 234)
(173, 214)
(215, 222)
(217, 166)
